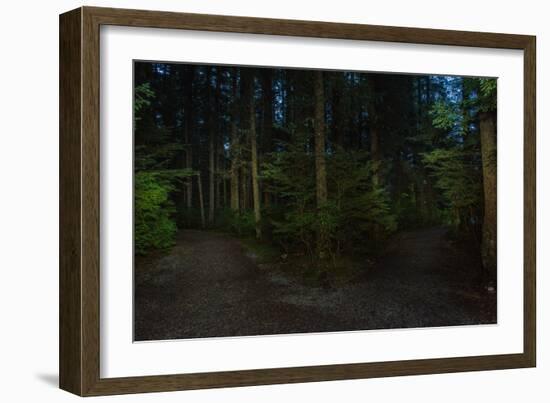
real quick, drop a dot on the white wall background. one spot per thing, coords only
(29, 198)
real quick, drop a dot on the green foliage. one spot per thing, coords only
(173, 180)
(143, 94)
(356, 211)
(364, 208)
(488, 86)
(288, 173)
(445, 115)
(428, 155)
(456, 167)
(154, 228)
(488, 94)
(406, 208)
(459, 179)
(242, 224)
(481, 94)
(156, 179)
(261, 252)
(155, 157)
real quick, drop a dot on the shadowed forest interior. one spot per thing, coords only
(277, 200)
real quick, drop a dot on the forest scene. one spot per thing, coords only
(274, 200)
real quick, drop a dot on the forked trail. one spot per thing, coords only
(207, 287)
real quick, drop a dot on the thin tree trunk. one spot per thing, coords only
(234, 148)
(219, 140)
(337, 111)
(189, 182)
(374, 131)
(320, 162)
(267, 87)
(248, 95)
(254, 162)
(219, 181)
(188, 128)
(487, 126)
(224, 184)
(201, 200)
(267, 108)
(243, 180)
(211, 152)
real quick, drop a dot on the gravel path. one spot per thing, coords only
(207, 287)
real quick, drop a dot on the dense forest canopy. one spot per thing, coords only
(320, 163)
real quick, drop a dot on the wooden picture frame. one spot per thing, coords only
(79, 201)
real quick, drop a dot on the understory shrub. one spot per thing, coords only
(240, 223)
(154, 226)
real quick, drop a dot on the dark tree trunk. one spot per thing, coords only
(487, 126)
(235, 153)
(255, 180)
(248, 84)
(337, 106)
(267, 108)
(374, 130)
(188, 130)
(211, 151)
(218, 141)
(267, 127)
(320, 161)
(201, 200)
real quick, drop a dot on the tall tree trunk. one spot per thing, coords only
(201, 200)
(254, 152)
(211, 150)
(320, 162)
(267, 108)
(224, 184)
(337, 106)
(188, 129)
(219, 140)
(487, 126)
(245, 123)
(245, 141)
(219, 179)
(234, 146)
(243, 180)
(290, 112)
(374, 132)
(267, 127)
(248, 95)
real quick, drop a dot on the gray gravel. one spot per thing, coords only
(208, 287)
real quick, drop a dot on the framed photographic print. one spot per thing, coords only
(249, 201)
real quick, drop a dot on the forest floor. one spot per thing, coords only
(209, 285)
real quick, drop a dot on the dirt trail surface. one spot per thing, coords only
(207, 287)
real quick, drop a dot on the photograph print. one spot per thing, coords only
(272, 200)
